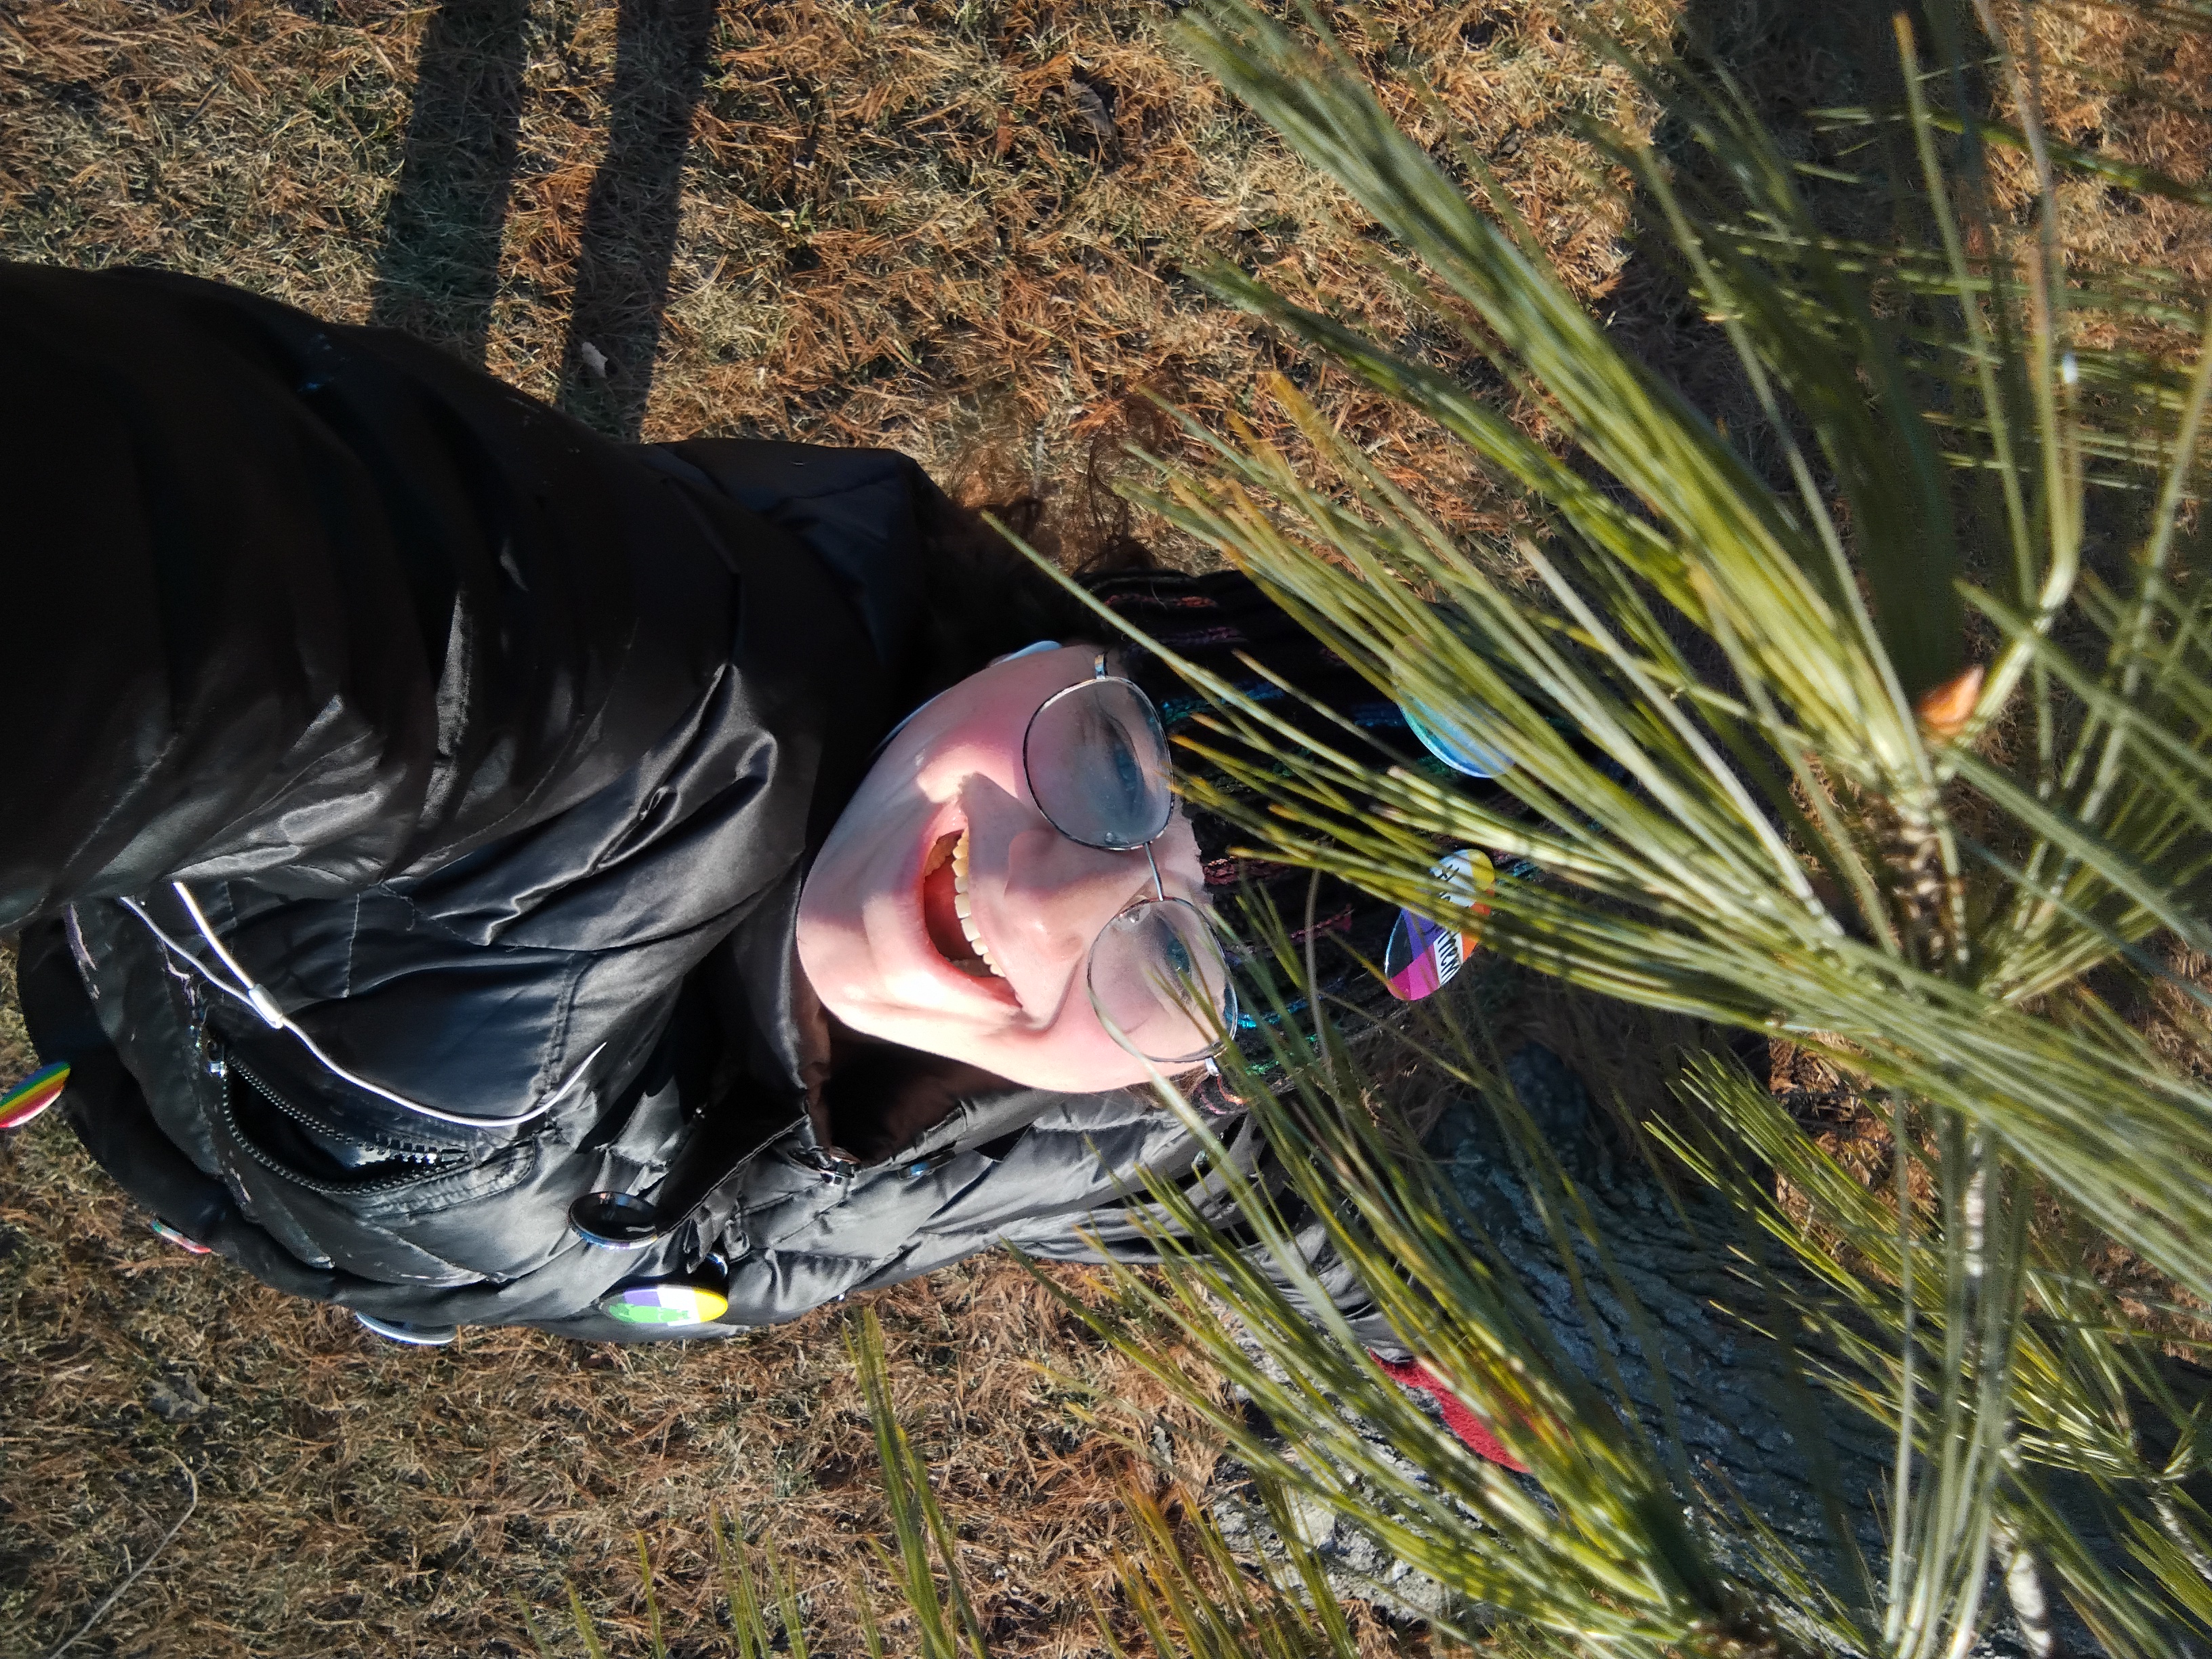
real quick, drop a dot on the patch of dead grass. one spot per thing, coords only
(900, 225)
(2124, 83)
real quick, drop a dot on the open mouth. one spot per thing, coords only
(947, 913)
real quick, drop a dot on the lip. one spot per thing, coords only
(982, 991)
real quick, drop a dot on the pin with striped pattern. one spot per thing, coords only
(1424, 955)
(33, 1094)
(665, 1304)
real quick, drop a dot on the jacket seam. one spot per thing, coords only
(556, 1051)
(352, 942)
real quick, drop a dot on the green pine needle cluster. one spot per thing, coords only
(1893, 744)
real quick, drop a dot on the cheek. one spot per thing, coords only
(1176, 853)
(954, 761)
(847, 881)
(832, 957)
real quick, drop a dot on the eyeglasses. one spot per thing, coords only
(1096, 757)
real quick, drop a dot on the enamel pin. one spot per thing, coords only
(33, 1094)
(1423, 955)
(665, 1305)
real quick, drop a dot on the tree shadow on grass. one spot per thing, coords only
(438, 274)
(631, 218)
(439, 271)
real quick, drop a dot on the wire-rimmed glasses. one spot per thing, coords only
(1096, 757)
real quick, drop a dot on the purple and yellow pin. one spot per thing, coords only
(665, 1304)
(33, 1094)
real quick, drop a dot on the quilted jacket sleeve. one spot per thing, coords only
(309, 603)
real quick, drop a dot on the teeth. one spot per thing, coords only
(965, 910)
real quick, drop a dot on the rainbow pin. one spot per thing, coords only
(163, 1230)
(33, 1094)
(665, 1304)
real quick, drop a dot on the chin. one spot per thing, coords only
(1076, 1069)
(1079, 1078)
(1087, 1073)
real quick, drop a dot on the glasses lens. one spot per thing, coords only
(1160, 983)
(1097, 764)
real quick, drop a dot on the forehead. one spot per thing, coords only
(1003, 696)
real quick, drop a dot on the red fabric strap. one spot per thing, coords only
(1472, 1432)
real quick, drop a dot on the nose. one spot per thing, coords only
(1060, 893)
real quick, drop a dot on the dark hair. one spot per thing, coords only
(1223, 622)
(985, 597)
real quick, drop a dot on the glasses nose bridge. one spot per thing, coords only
(1083, 891)
(1118, 853)
(1152, 863)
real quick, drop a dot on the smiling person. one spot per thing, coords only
(479, 874)
(1012, 885)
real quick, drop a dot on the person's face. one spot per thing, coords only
(946, 912)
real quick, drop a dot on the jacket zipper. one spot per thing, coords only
(411, 1154)
(425, 1163)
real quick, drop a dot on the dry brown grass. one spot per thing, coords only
(2116, 81)
(907, 226)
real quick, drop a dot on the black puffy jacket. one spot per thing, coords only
(495, 753)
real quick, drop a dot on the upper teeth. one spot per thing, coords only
(964, 908)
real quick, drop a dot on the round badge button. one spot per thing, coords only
(1424, 955)
(407, 1332)
(615, 1221)
(33, 1094)
(1463, 734)
(665, 1305)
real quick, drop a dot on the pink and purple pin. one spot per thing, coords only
(1424, 955)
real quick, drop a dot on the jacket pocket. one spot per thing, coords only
(306, 1149)
(405, 1214)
